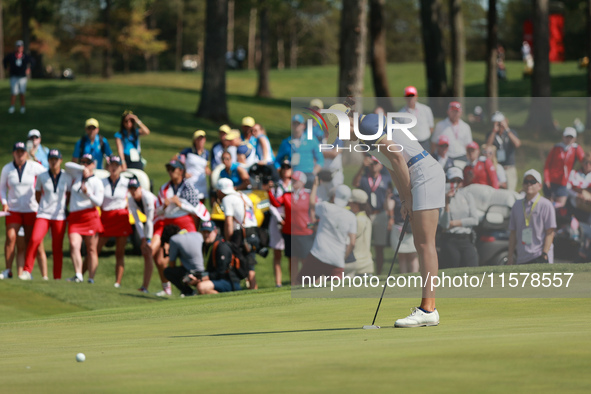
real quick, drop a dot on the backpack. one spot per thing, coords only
(238, 267)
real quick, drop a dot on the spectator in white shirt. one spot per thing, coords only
(424, 115)
(17, 190)
(457, 131)
(145, 202)
(52, 192)
(114, 214)
(84, 222)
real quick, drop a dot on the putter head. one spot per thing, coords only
(371, 327)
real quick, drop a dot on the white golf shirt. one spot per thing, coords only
(332, 237)
(425, 120)
(459, 136)
(17, 188)
(147, 205)
(95, 192)
(52, 205)
(172, 211)
(115, 194)
(241, 208)
(196, 165)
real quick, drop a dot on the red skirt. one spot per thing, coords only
(85, 222)
(184, 222)
(22, 218)
(116, 223)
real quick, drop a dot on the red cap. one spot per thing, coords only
(473, 145)
(410, 91)
(455, 105)
(299, 176)
(443, 140)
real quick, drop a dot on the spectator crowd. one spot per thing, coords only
(321, 225)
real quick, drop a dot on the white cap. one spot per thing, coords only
(34, 133)
(533, 173)
(455, 172)
(570, 132)
(342, 195)
(226, 186)
(317, 103)
(498, 117)
(358, 196)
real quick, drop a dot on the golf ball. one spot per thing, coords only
(80, 357)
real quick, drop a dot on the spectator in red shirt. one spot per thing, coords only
(559, 163)
(479, 169)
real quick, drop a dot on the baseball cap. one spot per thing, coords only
(248, 121)
(232, 135)
(498, 117)
(297, 118)
(443, 140)
(224, 128)
(54, 154)
(569, 132)
(175, 164)
(342, 195)
(86, 156)
(198, 133)
(134, 183)
(299, 176)
(91, 122)
(34, 133)
(207, 226)
(19, 146)
(19, 43)
(244, 149)
(317, 103)
(114, 159)
(533, 173)
(454, 172)
(473, 145)
(358, 196)
(226, 186)
(410, 91)
(455, 105)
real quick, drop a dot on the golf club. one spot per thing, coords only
(402, 232)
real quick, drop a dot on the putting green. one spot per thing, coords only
(269, 342)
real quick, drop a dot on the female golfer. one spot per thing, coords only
(17, 189)
(177, 203)
(84, 222)
(128, 140)
(421, 184)
(52, 191)
(114, 214)
(195, 159)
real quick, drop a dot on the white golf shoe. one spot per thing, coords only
(26, 275)
(11, 110)
(418, 318)
(23, 110)
(6, 274)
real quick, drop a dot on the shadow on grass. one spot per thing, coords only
(562, 86)
(268, 332)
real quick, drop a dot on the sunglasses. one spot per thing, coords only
(86, 162)
(529, 181)
(91, 128)
(34, 137)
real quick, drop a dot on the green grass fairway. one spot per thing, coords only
(268, 342)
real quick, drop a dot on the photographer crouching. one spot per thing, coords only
(177, 243)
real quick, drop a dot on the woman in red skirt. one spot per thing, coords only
(84, 222)
(114, 214)
(52, 191)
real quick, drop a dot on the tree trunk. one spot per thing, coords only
(280, 51)
(293, 46)
(154, 65)
(458, 48)
(213, 103)
(434, 55)
(540, 114)
(179, 36)
(588, 122)
(26, 11)
(492, 89)
(231, 26)
(352, 48)
(108, 50)
(378, 54)
(252, 31)
(1, 41)
(264, 62)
